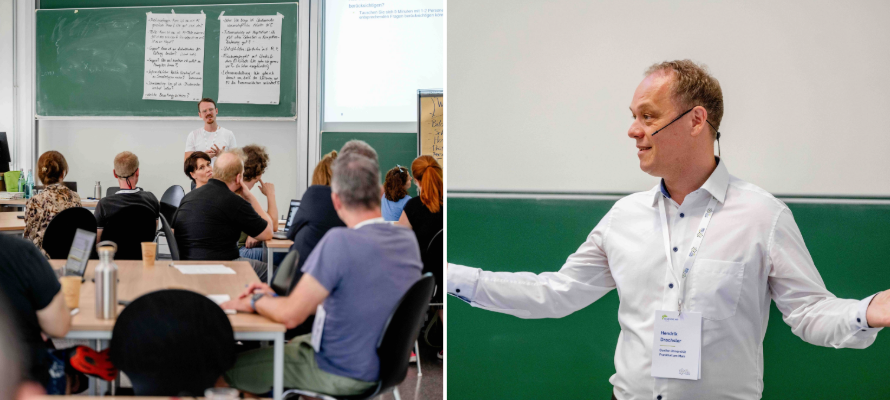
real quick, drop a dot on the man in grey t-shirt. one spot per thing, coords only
(357, 275)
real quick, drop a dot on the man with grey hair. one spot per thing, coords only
(696, 261)
(210, 219)
(359, 147)
(369, 259)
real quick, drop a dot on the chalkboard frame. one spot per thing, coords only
(245, 117)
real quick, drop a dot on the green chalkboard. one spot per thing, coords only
(91, 62)
(392, 148)
(496, 356)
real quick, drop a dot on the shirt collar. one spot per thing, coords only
(378, 220)
(128, 191)
(716, 184)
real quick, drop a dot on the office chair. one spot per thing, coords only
(61, 229)
(128, 228)
(170, 201)
(172, 343)
(399, 333)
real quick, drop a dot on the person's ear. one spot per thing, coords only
(113, 172)
(699, 120)
(335, 198)
(382, 191)
(136, 174)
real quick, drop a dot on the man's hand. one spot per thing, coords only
(241, 304)
(251, 243)
(267, 188)
(256, 287)
(213, 151)
(878, 312)
(245, 192)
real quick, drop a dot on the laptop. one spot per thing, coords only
(79, 255)
(291, 213)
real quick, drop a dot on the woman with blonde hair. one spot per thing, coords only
(424, 215)
(55, 197)
(316, 215)
(395, 193)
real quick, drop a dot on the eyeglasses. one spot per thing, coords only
(681, 116)
(207, 111)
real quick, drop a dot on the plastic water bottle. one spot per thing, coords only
(29, 185)
(21, 183)
(106, 281)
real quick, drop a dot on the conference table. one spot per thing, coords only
(20, 203)
(10, 224)
(136, 280)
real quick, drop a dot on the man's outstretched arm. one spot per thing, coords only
(583, 279)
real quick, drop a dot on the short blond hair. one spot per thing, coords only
(692, 85)
(229, 171)
(125, 164)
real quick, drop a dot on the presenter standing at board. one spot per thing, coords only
(211, 138)
(697, 260)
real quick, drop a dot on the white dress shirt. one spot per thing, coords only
(201, 140)
(753, 252)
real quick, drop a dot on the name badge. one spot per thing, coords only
(676, 352)
(318, 328)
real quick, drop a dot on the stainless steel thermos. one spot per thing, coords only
(106, 281)
(97, 191)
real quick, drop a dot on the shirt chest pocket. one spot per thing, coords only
(715, 287)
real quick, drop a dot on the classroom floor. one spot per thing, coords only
(430, 385)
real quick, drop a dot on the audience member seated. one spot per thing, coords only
(424, 215)
(356, 274)
(37, 303)
(126, 170)
(254, 166)
(55, 197)
(316, 215)
(15, 384)
(198, 169)
(211, 218)
(395, 193)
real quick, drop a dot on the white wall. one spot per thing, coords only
(90, 147)
(6, 67)
(538, 92)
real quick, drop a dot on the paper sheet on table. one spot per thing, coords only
(174, 57)
(250, 59)
(221, 298)
(210, 269)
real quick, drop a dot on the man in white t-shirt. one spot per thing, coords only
(212, 138)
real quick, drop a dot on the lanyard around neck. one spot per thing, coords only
(693, 251)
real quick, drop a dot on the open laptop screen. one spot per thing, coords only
(294, 206)
(79, 255)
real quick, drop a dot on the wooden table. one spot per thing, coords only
(136, 280)
(20, 203)
(273, 246)
(10, 224)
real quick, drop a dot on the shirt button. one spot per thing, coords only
(659, 397)
(863, 330)
(457, 290)
(682, 215)
(675, 249)
(858, 320)
(671, 285)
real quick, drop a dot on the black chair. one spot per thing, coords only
(171, 241)
(281, 282)
(399, 335)
(172, 343)
(61, 229)
(112, 190)
(170, 201)
(433, 258)
(128, 228)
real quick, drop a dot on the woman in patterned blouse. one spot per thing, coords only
(40, 209)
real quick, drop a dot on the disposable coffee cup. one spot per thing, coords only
(149, 250)
(71, 290)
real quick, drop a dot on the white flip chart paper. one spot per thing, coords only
(174, 57)
(250, 59)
